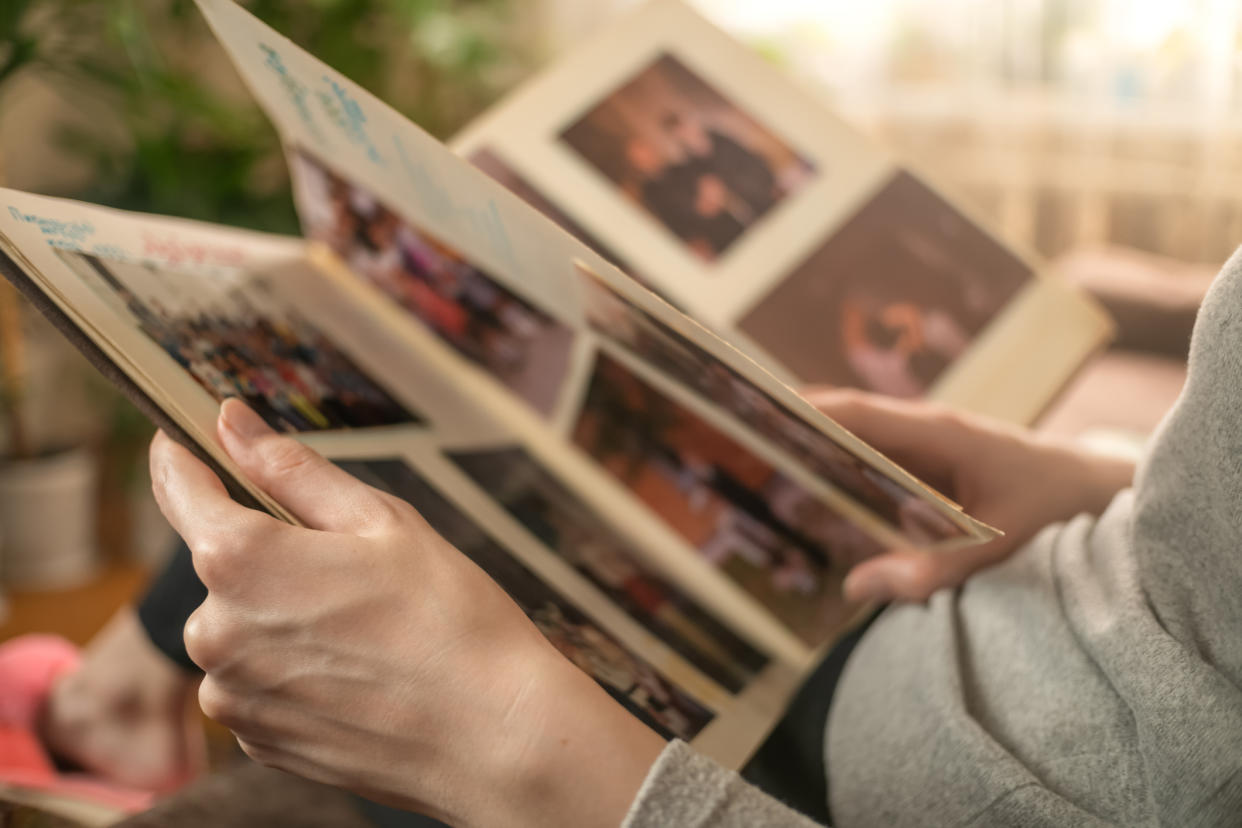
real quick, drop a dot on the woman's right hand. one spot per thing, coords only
(1009, 477)
(364, 651)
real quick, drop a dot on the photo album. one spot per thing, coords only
(571, 343)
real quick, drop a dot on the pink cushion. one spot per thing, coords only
(29, 667)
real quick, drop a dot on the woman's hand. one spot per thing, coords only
(1008, 477)
(368, 653)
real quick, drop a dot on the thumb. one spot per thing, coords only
(322, 495)
(913, 575)
(922, 434)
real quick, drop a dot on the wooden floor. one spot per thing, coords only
(75, 613)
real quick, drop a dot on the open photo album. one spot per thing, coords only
(571, 344)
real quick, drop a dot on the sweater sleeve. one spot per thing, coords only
(687, 790)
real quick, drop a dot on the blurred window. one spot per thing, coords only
(1071, 121)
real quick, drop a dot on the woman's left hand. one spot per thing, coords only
(366, 652)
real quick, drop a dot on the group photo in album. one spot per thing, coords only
(574, 532)
(237, 338)
(892, 299)
(633, 680)
(622, 322)
(648, 445)
(511, 339)
(778, 541)
(682, 152)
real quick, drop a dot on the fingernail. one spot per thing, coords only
(242, 421)
(866, 585)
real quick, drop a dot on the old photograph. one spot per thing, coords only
(573, 531)
(624, 323)
(766, 532)
(688, 156)
(892, 298)
(520, 345)
(627, 677)
(236, 338)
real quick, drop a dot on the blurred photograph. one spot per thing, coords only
(520, 345)
(236, 338)
(624, 323)
(627, 677)
(575, 533)
(892, 299)
(764, 531)
(694, 161)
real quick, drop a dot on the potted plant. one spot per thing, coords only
(47, 492)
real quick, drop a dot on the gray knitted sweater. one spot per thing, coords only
(1094, 678)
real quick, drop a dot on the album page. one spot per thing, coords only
(699, 168)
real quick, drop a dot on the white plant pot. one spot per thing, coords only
(48, 521)
(151, 538)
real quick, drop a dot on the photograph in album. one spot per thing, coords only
(892, 298)
(627, 677)
(237, 338)
(574, 532)
(624, 323)
(763, 530)
(519, 344)
(677, 148)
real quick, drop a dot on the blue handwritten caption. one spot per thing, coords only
(344, 110)
(486, 220)
(295, 89)
(335, 102)
(67, 235)
(55, 229)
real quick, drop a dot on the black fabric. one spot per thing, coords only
(170, 599)
(381, 816)
(790, 765)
